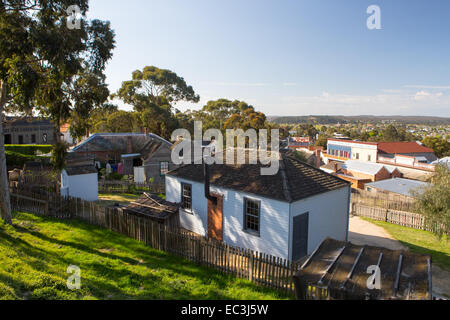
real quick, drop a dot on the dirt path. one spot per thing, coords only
(363, 232)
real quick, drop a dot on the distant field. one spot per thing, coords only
(35, 254)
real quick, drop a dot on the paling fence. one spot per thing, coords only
(384, 201)
(262, 269)
(402, 218)
(111, 186)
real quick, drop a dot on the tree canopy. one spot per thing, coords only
(434, 201)
(50, 68)
(155, 87)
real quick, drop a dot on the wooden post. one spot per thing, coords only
(251, 266)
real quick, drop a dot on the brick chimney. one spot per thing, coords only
(318, 160)
(129, 145)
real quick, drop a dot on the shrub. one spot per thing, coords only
(15, 159)
(28, 149)
(114, 176)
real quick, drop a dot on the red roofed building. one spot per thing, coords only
(407, 148)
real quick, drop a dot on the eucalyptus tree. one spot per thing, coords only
(153, 92)
(48, 60)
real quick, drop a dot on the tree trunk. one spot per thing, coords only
(5, 204)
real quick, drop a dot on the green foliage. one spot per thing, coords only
(36, 252)
(30, 150)
(155, 86)
(434, 201)
(58, 157)
(322, 141)
(114, 176)
(440, 145)
(393, 133)
(18, 160)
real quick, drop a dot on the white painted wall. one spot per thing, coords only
(83, 186)
(139, 175)
(328, 217)
(274, 224)
(364, 153)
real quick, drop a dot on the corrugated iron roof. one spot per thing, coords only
(152, 206)
(341, 268)
(398, 185)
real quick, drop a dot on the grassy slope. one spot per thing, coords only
(36, 252)
(420, 242)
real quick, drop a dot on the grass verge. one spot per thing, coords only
(420, 241)
(36, 252)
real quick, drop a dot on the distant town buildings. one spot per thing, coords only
(299, 142)
(363, 162)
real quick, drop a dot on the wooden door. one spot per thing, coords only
(215, 218)
(300, 236)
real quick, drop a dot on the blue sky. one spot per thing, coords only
(291, 57)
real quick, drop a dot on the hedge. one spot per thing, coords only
(28, 149)
(15, 159)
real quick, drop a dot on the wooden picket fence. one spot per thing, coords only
(402, 218)
(111, 186)
(259, 268)
(383, 201)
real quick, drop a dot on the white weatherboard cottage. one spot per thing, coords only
(80, 182)
(286, 215)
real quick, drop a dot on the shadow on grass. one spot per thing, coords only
(148, 257)
(438, 257)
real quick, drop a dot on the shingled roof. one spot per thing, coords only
(294, 181)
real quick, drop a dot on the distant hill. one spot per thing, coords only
(359, 119)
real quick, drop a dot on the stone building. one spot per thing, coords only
(28, 131)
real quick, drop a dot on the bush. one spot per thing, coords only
(15, 159)
(114, 176)
(28, 149)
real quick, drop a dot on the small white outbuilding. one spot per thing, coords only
(80, 182)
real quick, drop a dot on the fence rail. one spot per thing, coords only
(107, 186)
(259, 268)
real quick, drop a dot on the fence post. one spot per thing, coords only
(250, 274)
(199, 251)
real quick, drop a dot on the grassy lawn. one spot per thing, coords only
(109, 199)
(420, 242)
(36, 252)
